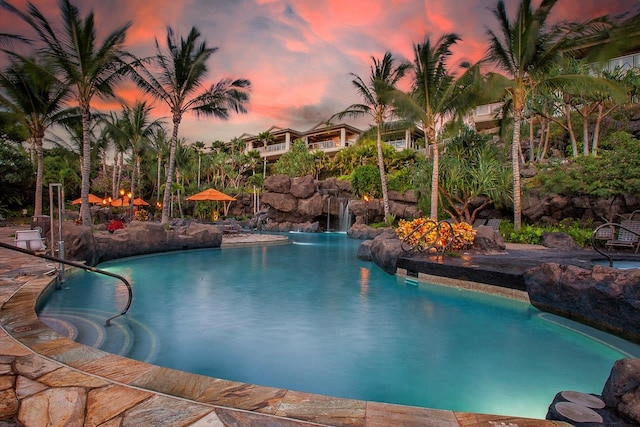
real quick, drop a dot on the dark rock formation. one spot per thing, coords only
(557, 240)
(488, 240)
(385, 250)
(277, 183)
(302, 187)
(539, 203)
(138, 238)
(300, 200)
(364, 250)
(79, 244)
(364, 232)
(603, 297)
(622, 389)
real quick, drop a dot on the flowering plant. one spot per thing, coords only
(115, 225)
(142, 215)
(424, 232)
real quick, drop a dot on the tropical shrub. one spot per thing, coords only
(366, 180)
(423, 233)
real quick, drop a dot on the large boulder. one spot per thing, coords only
(278, 183)
(488, 240)
(311, 207)
(280, 201)
(303, 187)
(603, 297)
(364, 232)
(385, 250)
(558, 240)
(622, 389)
(79, 244)
(364, 250)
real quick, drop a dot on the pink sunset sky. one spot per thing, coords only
(298, 54)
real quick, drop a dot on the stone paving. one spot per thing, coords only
(47, 379)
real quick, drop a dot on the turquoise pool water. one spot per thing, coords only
(310, 316)
(621, 264)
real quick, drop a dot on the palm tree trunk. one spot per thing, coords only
(172, 160)
(434, 181)
(515, 165)
(585, 133)
(383, 177)
(37, 209)
(572, 136)
(159, 177)
(85, 211)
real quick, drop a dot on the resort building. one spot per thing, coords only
(327, 137)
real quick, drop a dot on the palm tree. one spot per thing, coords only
(160, 144)
(383, 78)
(137, 129)
(437, 96)
(198, 146)
(35, 98)
(177, 76)
(91, 68)
(527, 50)
(265, 138)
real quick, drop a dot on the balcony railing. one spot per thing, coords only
(324, 145)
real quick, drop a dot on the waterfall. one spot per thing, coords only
(345, 215)
(328, 213)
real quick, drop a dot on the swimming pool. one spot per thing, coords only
(621, 264)
(310, 316)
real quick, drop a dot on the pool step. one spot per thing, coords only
(124, 337)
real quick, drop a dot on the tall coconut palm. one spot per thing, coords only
(198, 146)
(175, 76)
(526, 49)
(265, 138)
(137, 128)
(160, 144)
(91, 68)
(35, 98)
(384, 76)
(437, 96)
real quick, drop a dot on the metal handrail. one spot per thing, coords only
(406, 245)
(82, 266)
(608, 225)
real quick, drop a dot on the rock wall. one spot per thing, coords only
(539, 206)
(603, 297)
(306, 204)
(83, 244)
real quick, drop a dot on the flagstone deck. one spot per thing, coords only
(47, 379)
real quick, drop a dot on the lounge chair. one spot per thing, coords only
(494, 223)
(30, 240)
(478, 222)
(628, 236)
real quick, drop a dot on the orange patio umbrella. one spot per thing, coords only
(212, 195)
(94, 200)
(120, 202)
(139, 202)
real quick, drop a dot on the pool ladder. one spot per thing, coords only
(84, 267)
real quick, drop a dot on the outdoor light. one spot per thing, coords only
(367, 198)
